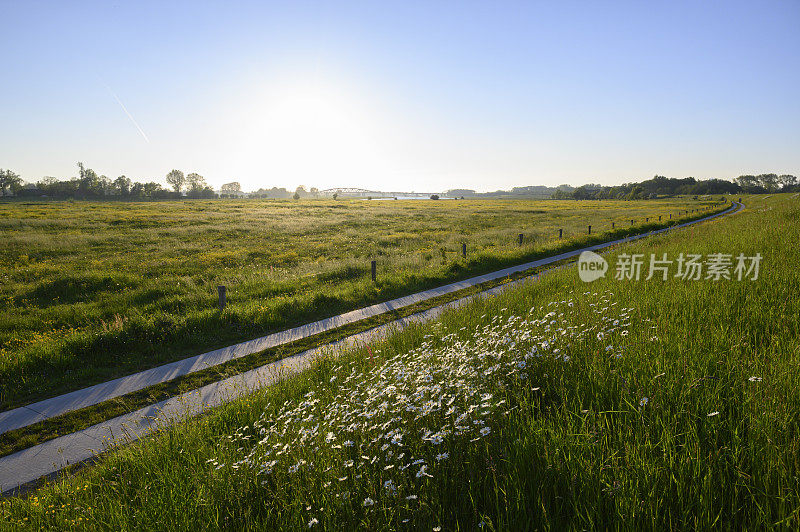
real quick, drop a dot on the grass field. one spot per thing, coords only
(94, 290)
(660, 404)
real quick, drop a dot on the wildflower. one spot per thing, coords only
(313, 522)
(712, 414)
(369, 502)
(755, 379)
(423, 472)
(485, 431)
(442, 456)
(644, 401)
(411, 498)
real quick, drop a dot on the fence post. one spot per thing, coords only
(520, 239)
(590, 229)
(560, 233)
(374, 270)
(221, 292)
(631, 222)
(612, 225)
(647, 219)
(659, 217)
(464, 249)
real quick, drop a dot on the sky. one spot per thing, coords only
(401, 96)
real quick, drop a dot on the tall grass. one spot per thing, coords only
(91, 291)
(618, 404)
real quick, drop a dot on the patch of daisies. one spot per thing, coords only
(379, 431)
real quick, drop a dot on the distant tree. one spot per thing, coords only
(9, 181)
(154, 190)
(314, 191)
(176, 179)
(90, 184)
(195, 182)
(122, 186)
(434, 196)
(296, 195)
(769, 182)
(233, 186)
(335, 195)
(301, 191)
(460, 192)
(197, 187)
(787, 182)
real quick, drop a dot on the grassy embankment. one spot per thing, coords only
(92, 291)
(627, 404)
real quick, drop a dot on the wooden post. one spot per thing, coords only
(560, 233)
(221, 292)
(659, 217)
(374, 270)
(464, 249)
(590, 229)
(670, 216)
(631, 222)
(612, 225)
(646, 220)
(520, 239)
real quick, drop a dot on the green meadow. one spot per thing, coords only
(94, 290)
(560, 405)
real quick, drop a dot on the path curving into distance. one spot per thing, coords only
(49, 457)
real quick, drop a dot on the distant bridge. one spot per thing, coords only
(364, 193)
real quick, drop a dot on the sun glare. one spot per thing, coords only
(311, 137)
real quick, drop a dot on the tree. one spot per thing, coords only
(296, 195)
(233, 186)
(335, 195)
(195, 182)
(787, 181)
(300, 192)
(434, 196)
(176, 179)
(89, 182)
(122, 186)
(9, 180)
(197, 187)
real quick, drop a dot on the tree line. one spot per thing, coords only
(661, 186)
(89, 184)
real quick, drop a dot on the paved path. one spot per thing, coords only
(51, 456)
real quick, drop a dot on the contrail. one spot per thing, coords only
(128, 113)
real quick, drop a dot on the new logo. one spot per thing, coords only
(591, 266)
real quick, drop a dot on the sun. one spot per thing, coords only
(311, 136)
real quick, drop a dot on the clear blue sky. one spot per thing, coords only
(418, 96)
